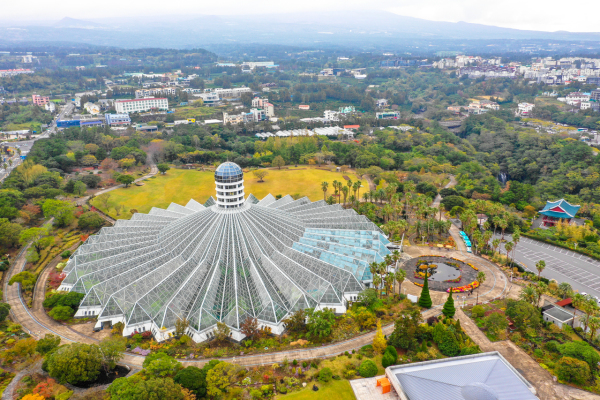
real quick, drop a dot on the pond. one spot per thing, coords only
(444, 272)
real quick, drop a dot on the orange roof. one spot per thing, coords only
(351, 126)
(564, 302)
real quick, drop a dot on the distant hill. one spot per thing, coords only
(358, 30)
(77, 23)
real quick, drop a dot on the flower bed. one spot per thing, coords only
(466, 288)
(457, 280)
(421, 275)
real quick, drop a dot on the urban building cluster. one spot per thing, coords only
(13, 72)
(475, 107)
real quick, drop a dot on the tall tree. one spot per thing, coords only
(324, 187)
(425, 298)
(449, 309)
(540, 266)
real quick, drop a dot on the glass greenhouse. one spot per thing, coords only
(224, 261)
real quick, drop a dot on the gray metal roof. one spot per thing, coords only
(447, 379)
(559, 313)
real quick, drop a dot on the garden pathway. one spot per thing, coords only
(8, 391)
(541, 379)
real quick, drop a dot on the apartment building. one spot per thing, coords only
(233, 93)
(38, 100)
(145, 93)
(117, 119)
(141, 105)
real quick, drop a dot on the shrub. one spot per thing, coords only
(75, 363)
(367, 369)
(538, 353)
(194, 379)
(349, 373)
(61, 313)
(581, 351)
(448, 344)
(572, 370)
(66, 254)
(478, 311)
(325, 375)
(387, 360)
(552, 346)
(367, 351)
(392, 350)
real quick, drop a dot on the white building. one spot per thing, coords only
(209, 99)
(50, 107)
(232, 93)
(525, 108)
(331, 115)
(145, 93)
(92, 108)
(263, 103)
(140, 105)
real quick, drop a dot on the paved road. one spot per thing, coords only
(582, 272)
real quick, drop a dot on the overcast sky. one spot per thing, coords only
(540, 15)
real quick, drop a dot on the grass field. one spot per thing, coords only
(193, 112)
(179, 186)
(334, 390)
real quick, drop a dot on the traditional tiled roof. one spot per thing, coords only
(560, 209)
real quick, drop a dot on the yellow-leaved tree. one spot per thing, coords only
(379, 342)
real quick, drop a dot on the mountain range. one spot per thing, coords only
(362, 29)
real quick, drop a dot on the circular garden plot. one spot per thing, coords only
(443, 273)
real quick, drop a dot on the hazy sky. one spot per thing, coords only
(541, 15)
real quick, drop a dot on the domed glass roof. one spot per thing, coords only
(263, 260)
(228, 172)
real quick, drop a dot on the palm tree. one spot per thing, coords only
(516, 237)
(495, 244)
(503, 224)
(389, 283)
(565, 290)
(376, 283)
(540, 289)
(358, 185)
(589, 307)
(496, 221)
(540, 266)
(577, 300)
(594, 324)
(335, 187)
(366, 196)
(324, 187)
(345, 192)
(480, 279)
(352, 199)
(508, 247)
(529, 294)
(400, 275)
(487, 235)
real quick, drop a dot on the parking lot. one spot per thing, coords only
(582, 272)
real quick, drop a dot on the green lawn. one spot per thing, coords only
(334, 390)
(179, 186)
(192, 112)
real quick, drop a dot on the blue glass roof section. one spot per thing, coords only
(228, 170)
(347, 249)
